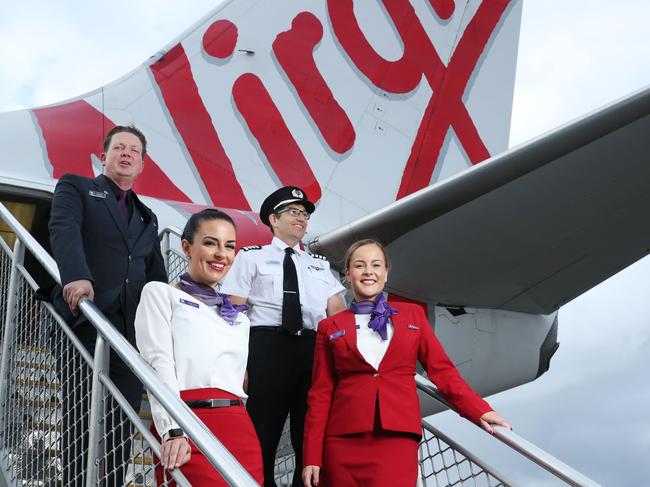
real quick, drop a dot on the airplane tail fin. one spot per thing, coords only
(358, 103)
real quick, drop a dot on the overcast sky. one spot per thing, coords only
(591, 408)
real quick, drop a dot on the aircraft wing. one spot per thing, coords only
(529, 229)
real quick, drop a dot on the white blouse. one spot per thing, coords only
(189, 345)
(369, 342)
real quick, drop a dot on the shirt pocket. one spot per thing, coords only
(271, 280)
(318, 281)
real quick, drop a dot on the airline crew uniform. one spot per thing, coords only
(201, 357)
(108, 236)
(280, 363)
(363, 425)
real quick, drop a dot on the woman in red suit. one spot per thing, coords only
(363, 425)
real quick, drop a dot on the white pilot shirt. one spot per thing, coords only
(189, 345)
(369, 342)
(257, 274)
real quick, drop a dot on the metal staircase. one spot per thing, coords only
(36, 345)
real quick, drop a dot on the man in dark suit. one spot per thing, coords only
(105, 243)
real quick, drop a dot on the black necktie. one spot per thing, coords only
(291, 312)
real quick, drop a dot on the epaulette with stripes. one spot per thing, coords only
(251, 247)
(318, 256)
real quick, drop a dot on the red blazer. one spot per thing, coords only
(345, 387)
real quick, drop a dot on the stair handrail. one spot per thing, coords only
(218, 456)
(519, 444)
(469, 456)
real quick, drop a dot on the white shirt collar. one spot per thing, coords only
(281, 245)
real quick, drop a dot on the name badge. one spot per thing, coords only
(273, 262)
(190, 303)
(413, 327)
(316, 268)
(336, 335)
(97, 194)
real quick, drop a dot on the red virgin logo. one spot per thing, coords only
(71, 130)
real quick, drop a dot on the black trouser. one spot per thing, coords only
(279, 377)
(76, 387)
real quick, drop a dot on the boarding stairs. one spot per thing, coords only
(34, 340)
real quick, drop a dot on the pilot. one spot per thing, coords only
(289, 291)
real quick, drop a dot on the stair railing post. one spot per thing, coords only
(96, 420)
(9, 326)
(166, 245)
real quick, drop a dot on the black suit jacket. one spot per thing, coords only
(91, 240)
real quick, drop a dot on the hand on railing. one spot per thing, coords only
(492, 418)
(74, 291)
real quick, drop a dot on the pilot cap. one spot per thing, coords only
(283, 197)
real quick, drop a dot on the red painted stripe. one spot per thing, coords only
(74, 131)
(294, 51)
(173, 75)
(250, 229)
(273, 136)
(446, 108)
(401, 76)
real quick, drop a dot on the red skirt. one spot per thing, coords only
(378, 459)
(234, 429)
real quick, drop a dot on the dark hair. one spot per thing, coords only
(131, 130)
(360, 243)
(193, 224)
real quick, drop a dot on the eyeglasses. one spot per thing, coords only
(294, 212)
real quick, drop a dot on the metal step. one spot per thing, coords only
(141, 460)
(31, 365)
(39, 383)
(39, 403)
(44, 426)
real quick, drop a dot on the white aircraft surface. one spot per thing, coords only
(395, 118)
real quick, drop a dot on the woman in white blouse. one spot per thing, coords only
(197, 342)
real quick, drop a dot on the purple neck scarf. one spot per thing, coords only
(379, 312)
(211, 297)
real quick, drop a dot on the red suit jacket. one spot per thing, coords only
(345, 387)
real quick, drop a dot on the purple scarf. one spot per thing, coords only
(379, 312)
(211, 297)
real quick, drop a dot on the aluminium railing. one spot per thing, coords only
(43, 365)
(542, 458)
(446, 463)
(175, 261)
